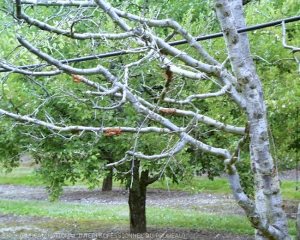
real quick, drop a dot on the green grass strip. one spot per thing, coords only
(156, 216)
(197, 220)
(118, 215)
(288, 189)
(20, 176)
(65, 210)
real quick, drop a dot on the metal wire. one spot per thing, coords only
(175, 43)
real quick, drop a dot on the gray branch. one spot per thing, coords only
(53, 126)
(59, 65)
(75, 3)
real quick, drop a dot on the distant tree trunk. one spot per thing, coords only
(108, 180)
(137, 198)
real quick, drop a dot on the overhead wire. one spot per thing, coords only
(175, 43)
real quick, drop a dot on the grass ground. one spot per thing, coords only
(157, 216)
(27, 176)
(162, 216)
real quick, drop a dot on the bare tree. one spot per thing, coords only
(140, 37)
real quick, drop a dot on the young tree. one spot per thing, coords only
(168, 106)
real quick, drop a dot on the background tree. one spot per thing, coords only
(278, 69)
(165, 86)
(74, 156)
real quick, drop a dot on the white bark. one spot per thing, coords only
(96, 130)
(268, 216)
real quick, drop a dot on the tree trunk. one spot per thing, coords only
(137, 199)
(298, 223)
(267, 213)
(108, 181)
